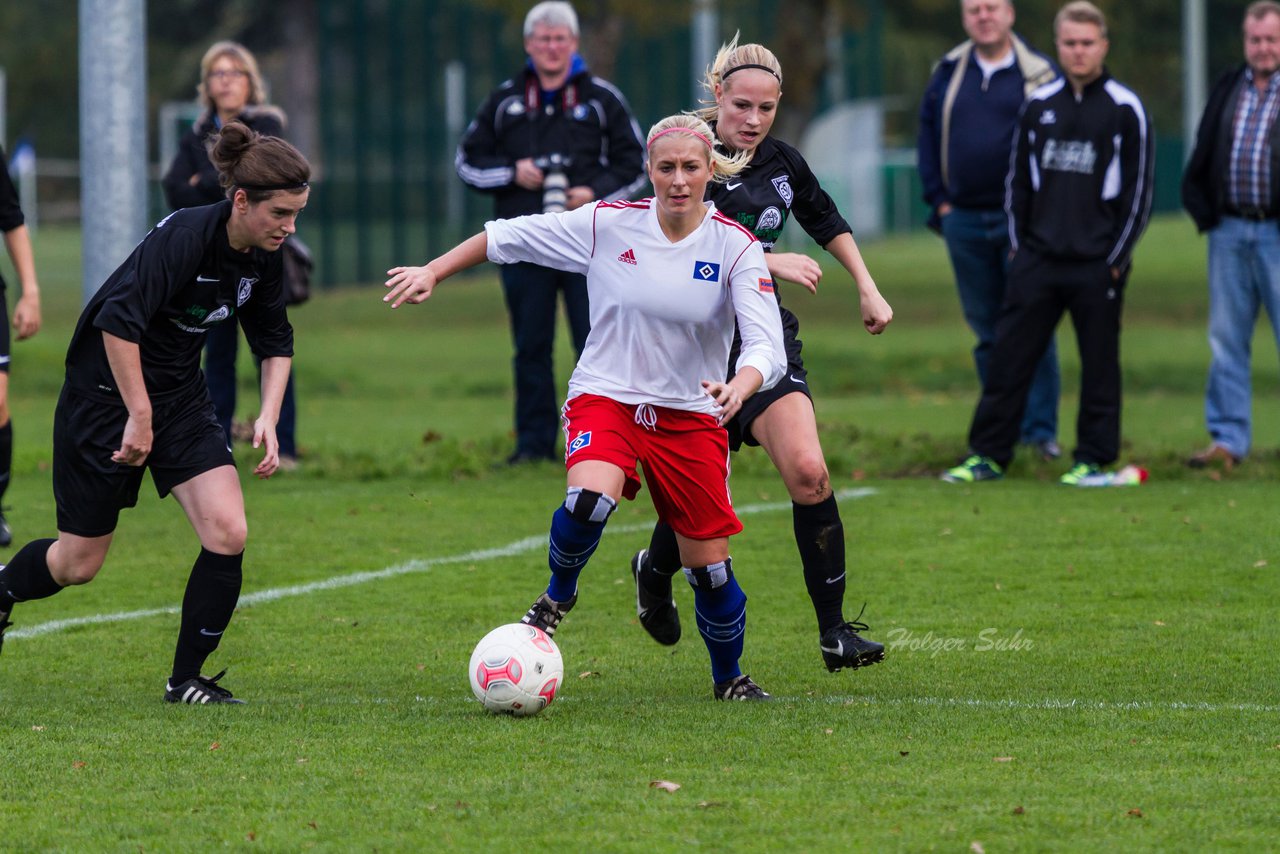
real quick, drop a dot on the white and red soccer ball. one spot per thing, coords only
(516, 669)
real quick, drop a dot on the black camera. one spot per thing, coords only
(555, 182)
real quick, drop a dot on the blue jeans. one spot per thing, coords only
(220, 345)
(978, 243)
(531, 293)
(1244, 273)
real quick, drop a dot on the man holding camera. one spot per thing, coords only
(551, 138)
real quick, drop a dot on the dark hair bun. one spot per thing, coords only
(230, 144)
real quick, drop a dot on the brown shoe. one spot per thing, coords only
(1213, 455)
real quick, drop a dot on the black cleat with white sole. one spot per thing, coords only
(546, 613)
(740, 688)
(200, 691)
(843, 647)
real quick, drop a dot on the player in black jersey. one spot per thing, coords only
(26, 319)
(134, 398)
(745, 83)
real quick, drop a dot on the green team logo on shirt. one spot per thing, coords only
(767, 226)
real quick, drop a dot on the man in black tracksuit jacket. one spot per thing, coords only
(1079, 195)
(553, 107)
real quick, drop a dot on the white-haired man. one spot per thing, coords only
(551, 137)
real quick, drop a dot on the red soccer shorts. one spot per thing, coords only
(685, 457)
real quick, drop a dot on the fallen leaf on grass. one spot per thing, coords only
(1135, 813)
(215, 745)
(78, 764)
(903, 752)
(251, 836)
(1003, 758)
(312, 825)
(976, 847)
(37, 728)
(1018, 810)
(588, 674)
(664, 785)
(1260, 564)
(828, 730)
(1159, 622)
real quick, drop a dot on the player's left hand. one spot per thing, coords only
(26, 316)
(576, 197)
(794, 267)
(728, 398)
(876, 313)
(264, 433)
(409, 284)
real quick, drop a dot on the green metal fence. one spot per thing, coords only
(387, 191)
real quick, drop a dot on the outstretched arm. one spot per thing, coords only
(415, 284)
(876, 312)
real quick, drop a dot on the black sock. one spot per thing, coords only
(212, 592)
(663, 561)
(27, 576)
(6, 455)
(820, 536)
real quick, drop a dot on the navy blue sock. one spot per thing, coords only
(27, 576)
(576, 528)
(720, 609)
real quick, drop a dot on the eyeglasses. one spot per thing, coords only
(551, 40)
(227, 75)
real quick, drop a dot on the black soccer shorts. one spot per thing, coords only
(90, 489)
(796, 380)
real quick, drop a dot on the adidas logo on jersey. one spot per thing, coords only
(628, 257)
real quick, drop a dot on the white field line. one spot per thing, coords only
(1053, 704)
(522, 546)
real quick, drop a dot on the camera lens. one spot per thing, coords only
(554, 196)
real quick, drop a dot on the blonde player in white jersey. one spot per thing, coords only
(667, 277)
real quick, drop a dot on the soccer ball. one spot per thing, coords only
(516, 669)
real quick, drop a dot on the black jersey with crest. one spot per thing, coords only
(777, 185)
(182, 279)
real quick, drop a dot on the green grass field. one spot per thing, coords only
(1068, 669)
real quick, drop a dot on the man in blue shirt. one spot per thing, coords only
(967, 121)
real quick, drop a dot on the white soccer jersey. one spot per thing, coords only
(662, 313)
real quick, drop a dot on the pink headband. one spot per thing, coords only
(674, 130)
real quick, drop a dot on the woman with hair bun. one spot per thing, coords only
(134, 398)
(744, 84)
(231, 89)
(668, 277)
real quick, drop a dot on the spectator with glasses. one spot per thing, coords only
(231, 89)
